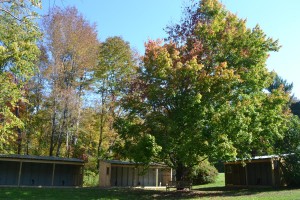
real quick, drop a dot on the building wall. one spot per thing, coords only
(129, 176)
(9, 173)
(166, 176)
(104, 174)
(256, 173)
(35, 174)
(235, 174)
(67, 175)
(39, 174)
(260, 173)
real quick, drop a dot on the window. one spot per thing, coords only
(107, 170)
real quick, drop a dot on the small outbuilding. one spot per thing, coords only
(131, 174)
(259, 171)
(25, 170)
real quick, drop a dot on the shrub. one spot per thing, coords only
(204, 173)
(92, 165)
(90, 179)
(291, 169)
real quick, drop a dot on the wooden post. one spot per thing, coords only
(82, 174)
(156, 177)
(272, 173)
(20, 173)
(53, 173)
(133, 178)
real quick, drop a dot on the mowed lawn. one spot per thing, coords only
(209, 191)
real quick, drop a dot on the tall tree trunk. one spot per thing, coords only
(63, 130)
(19, 132)
(182, 172)
(102, 121)
(53, 132)
(75, 136)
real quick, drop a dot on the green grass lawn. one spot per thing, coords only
(209, 191)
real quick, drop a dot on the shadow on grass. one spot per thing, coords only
(125, 193)
(198, 193)
(232, 191)
(209, 192)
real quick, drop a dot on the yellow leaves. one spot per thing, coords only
(223, 73)
(206, 143)
(226, 145)
(198, 98)
(161, 60)
(14, 47)
(178, 65)
(193, 65)
(2, 49)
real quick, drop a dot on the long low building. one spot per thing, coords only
(258, 171)
(130, 174)
(25, 170)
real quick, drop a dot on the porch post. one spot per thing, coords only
(20, 173)
(53, 173)
(156, 177)
(272, 173)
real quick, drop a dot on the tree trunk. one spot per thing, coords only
(182, 172)
(79, 103)
(19, 139)
(63, 130)
(102, 121)
(53, 132)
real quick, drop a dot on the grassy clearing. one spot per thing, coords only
(209, 191)
(220, 182)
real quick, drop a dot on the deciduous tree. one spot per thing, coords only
(18, 55)
(201, 93)
(117, 64)
(72, 47)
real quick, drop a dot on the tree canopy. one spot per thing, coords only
(18, 55)
(201, 93)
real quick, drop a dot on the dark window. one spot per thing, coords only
(107, 170)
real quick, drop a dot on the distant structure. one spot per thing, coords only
(131, 174)
(259, 171)
(25, 170)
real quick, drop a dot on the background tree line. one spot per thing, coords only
(60, 86)
(203, 94)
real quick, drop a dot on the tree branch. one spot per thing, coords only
(6, 11)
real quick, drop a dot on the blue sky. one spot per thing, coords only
(136, 21)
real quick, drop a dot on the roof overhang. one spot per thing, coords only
(41, 159)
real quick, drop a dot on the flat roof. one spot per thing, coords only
(41, 158)
(255, 159)
(119, 162)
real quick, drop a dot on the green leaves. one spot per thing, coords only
(37, 3)
(203, 96)
(18, 56)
